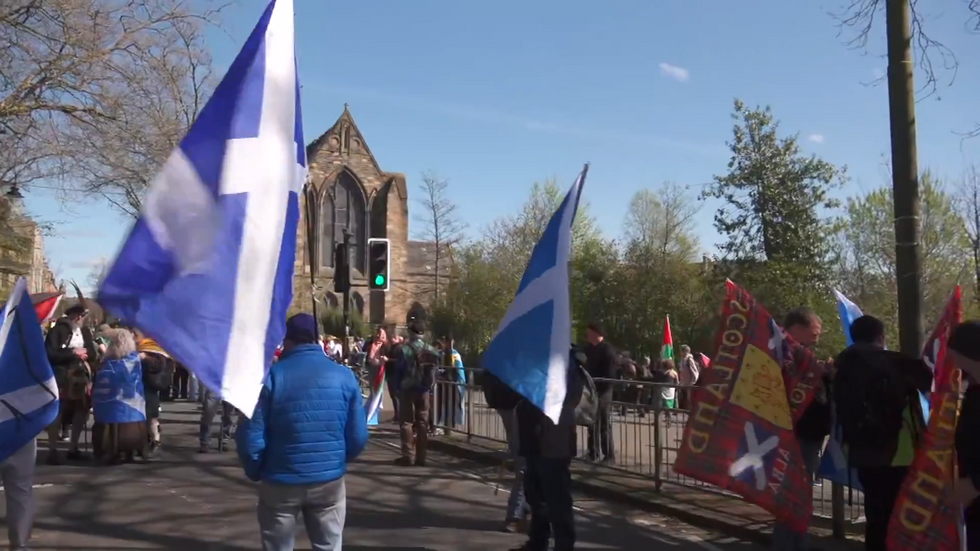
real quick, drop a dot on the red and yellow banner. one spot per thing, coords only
(921, 518)
(739, 435)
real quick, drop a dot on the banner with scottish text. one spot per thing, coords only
(921, 518)
(740, 432)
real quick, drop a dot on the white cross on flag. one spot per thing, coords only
(207, 270)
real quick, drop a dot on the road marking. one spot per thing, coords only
(38, 486)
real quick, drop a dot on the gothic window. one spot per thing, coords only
(343, 207)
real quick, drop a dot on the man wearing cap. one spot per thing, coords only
(417, 364)
(308, 423)
(70, 346)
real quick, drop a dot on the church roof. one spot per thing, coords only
(350, 143)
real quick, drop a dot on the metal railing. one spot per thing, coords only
(646, 439)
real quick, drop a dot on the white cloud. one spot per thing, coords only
(815, 138)
(679, 74)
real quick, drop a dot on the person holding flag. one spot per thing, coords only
(531, 365)
(876, 396)
(30, 391)
(964, 347)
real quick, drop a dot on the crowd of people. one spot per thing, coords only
(119, 377)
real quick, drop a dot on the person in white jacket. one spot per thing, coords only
(688, 374)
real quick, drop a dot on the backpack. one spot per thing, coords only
(421, 363)
(870, 404)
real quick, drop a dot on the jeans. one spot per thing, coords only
(601, 433)
(17, 474)
(516, 505)
(548, 487)
(324, 508)
(211, 405)
(783, 536)
(881, 486)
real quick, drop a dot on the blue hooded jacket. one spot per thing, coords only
(309, 421)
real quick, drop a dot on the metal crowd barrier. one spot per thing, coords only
(646, 439)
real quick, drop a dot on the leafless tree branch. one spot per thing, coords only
(99, 92)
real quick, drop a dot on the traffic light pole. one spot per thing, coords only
(345, 346)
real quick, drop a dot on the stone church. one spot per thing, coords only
(353, 192)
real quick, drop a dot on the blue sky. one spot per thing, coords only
(496, 95)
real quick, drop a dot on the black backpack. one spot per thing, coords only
(870, 399)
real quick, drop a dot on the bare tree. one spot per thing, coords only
(96, 274)
(443, 228)
(969, 201)
(99, 92)
(663, 220)
(932, 56)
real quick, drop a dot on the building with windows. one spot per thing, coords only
(352, 192)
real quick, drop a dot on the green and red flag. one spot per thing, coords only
(667, 350)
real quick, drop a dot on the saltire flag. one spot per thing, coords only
(45, 305)
(667, 350)
(207, 270)
(376, 398)
(922, 518)
(739, 435)
(117, 391)
(28, 390)
(452, 397)
(833, 465)
(530, 351)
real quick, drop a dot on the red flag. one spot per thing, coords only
(921, 518)
(739, 435)
(45, 304)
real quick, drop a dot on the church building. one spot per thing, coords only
(353, 192)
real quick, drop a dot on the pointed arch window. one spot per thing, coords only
(342, 207)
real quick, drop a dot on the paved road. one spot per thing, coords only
(184, 500)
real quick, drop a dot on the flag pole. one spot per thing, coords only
(309, 198)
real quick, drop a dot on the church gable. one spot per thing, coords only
(341, 144)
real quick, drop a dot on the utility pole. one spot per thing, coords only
(345, 345)
(905, 175)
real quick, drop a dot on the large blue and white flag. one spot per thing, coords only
(530, 352)
(28, 390)
(118, 395)
(207, 270)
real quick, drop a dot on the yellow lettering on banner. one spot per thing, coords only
(697, 441)
(713, 396)
(913, 517)
(707, 414)
(760, 388)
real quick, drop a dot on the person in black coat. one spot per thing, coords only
(70, 349)
(548, 449)
(964, 346)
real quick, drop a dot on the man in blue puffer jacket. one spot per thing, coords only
(309, 422)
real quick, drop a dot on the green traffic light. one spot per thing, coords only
(379, 280)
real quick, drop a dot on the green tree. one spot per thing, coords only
(776, 243)
(866, 261)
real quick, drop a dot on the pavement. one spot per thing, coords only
(190, 501)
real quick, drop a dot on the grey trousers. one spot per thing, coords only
(17, 474)
(324, 508)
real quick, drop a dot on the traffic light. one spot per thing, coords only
(379, 264)
(341, 268)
